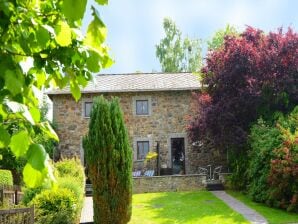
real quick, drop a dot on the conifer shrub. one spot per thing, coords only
(109, 159)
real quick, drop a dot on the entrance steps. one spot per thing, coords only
(214, 185)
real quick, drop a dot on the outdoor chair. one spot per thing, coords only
(136, 173)
(149, 173)
(203, 171)
(217, 170)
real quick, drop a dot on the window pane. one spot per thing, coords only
(142, 149)
(88, 107)
(142, 107)
(139, 107)
(145, 107)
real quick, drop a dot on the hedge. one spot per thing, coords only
(6, 178)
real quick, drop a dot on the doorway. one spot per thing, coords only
(178, 155)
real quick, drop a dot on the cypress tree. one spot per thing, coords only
(109, 159)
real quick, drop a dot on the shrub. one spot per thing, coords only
(30, 193)
(73, 184)
(55, 206)
(283, 175)
(238, 163)
(263, 139)
(109, 159)
(71, 168)
(6, 178)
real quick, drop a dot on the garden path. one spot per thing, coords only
(248, 213)
(87, 211)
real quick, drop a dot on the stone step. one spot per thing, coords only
(214, 185)
(88, 190)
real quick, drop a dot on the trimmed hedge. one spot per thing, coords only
(63, 203)
(55, 206)
(6, 178)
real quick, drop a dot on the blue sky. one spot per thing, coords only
(135, 26)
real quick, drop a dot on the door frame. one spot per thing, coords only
(178, 135)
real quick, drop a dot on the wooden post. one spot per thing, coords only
(1, 196)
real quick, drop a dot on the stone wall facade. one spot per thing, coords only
(168, 183)
(168, 118)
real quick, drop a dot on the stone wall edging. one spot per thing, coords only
(169, 183)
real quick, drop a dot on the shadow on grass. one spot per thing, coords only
(182, 207)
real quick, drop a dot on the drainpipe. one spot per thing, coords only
(157, 160)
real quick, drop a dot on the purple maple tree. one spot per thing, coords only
(252, 75)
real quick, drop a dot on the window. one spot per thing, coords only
(142, 107)
(142, 149)
(87, 109)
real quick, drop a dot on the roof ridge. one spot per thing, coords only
(143, 73)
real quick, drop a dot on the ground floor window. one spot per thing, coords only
(142, 149)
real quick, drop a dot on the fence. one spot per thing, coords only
(17, 216)
(10, 194)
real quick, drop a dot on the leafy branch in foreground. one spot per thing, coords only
(41, 45)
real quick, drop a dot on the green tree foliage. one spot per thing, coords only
(176, 54)
(283, 175)
(109, 159)
(263, 139)
(273, 162)
(41, 45)
(217, 41)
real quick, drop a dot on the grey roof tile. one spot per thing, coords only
(138, 82)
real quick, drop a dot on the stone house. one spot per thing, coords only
(156, 108)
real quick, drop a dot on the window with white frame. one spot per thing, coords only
(87, 109)
(142, 107)
(142, 149)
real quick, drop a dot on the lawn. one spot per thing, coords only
(200, 207)
(273, 215)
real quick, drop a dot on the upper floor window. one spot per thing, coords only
(142, 149)
(87, 109)
(142, 107)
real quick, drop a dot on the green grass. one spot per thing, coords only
(273, 215)
(199, 207)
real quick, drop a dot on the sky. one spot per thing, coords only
(135, 26)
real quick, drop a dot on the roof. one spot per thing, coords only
(137, 82)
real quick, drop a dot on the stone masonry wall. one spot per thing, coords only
(168, 183)
(169, 111)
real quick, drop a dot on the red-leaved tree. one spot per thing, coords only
(252, 75)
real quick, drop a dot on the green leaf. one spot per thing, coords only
(35, 114)
(4, 138)
(107, 61)
(20, 108)
(12, 83)
(33, 177)
(40, 78)
(75, 90)
(37, 156)
(102, 2)
(19, 143)
(74, 10)
(42, 37)
(63, 34)
(96, 32)
(93, 62)
(48, 130)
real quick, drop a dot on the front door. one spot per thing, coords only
(178, 155)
